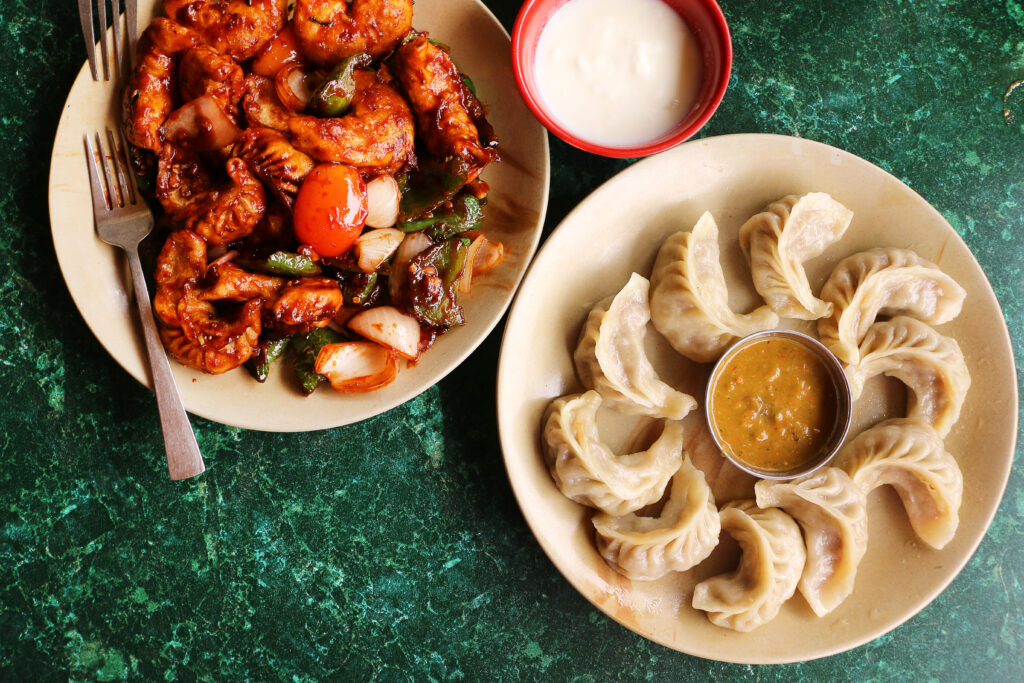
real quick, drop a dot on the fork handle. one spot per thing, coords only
(183, 457)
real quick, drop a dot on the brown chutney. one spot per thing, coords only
(774, 404)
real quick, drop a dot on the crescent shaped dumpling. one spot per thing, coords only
(771, 562)
(778, 240)
(910, 456)
(689, 298)
(884, 281)
(610, 357)
(683, 535)
(832, 511)
(585, 469)
(930, 364)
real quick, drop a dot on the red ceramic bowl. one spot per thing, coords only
(706, 21)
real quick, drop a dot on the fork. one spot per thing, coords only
(122, 56)
(124, 221)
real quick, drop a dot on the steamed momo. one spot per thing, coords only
(778, 240)
(909, 456)
(771, 562)
(683, 535)
(586, 471)
(885, 282)
(689, 298)
(931, 365)
(610, 357)
(832, 510)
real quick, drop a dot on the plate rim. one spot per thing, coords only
(504, 428)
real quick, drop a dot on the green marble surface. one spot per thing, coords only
(393, 549)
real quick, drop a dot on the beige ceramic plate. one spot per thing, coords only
(616, 231)
(515, 215)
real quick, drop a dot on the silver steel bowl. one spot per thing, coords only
(844, 404)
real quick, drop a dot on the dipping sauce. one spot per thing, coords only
(618, 73)
(774, 404)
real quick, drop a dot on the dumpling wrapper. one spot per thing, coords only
(585, 469)
(778, 240)
(690, 300)
(930, 364)
(886, 282)
(683, 535)
(610, 357)
(910, 456)
(771, 561)
(832, 511)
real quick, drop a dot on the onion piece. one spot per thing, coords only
(374, 247)
(295, 85)
(466, 277)
(356, 366)
(225, 257)
(414, 244)
(200, 125)
(488, 256)
(382, 199)
(481, 257)
(389, 327)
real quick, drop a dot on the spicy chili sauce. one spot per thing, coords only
(774, 404)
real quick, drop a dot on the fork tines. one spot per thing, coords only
(122, 53)
(111, 189)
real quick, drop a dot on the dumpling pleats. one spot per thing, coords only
(832, 511)
(684, 534)
(778, 240)
(771, 562)
(930, 364)
(884, 281)
(585, 469)
(910, 456)
(690, 300)
(610, 357)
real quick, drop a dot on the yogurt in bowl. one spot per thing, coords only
(622, 79)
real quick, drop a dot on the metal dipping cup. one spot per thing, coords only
(844, 404)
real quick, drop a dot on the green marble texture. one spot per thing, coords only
(394, 549)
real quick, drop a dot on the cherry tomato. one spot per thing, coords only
(330, 209)
(282, 50)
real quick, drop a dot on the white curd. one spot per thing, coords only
(618, 73)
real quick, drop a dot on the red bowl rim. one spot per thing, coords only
(533, 103)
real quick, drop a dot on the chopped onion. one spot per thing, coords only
(466, 278)
(414, 243)
(201, 125)
(294, 86)
(374, 247)
(483, 256)
(488, 256)
(389, 327)
(222, 258)
(382, 198)
(356, 366)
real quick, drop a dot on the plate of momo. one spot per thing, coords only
(601, 387)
